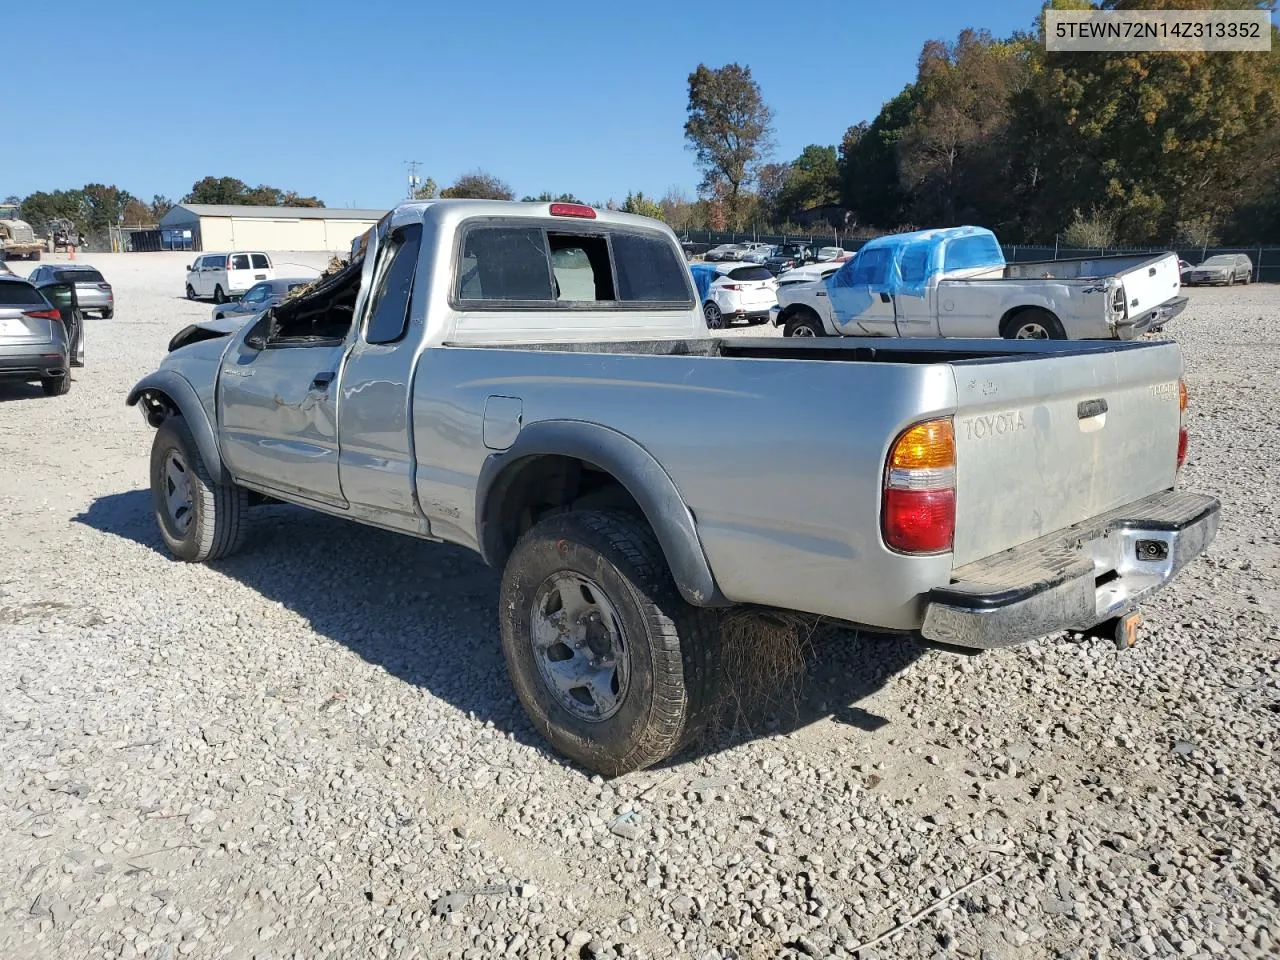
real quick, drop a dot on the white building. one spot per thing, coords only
(202, 226)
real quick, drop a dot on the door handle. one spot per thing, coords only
(321, 381)
(884, 297)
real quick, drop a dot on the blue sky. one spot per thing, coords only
(331, 98)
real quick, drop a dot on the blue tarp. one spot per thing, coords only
(704, 275)
(902, 263)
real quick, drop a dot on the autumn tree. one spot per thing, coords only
(641, 205)
(137, 214)
(478, 185)
(729, 129)
(160, 205)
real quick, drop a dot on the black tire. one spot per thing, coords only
(108, 314)
(1015, 327)
(218, 295)
(669, 646)
(191, 292)
(217, 517)
(56, 386)
(805, 323)
(713, 315)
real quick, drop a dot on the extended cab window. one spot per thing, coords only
(914, 263)
(648, 270)
(389, 307)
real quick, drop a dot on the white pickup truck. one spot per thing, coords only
(955, 282)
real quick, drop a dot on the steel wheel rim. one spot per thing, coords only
(579, 646)
(178, 499)
(714, 317)
(1032, 331)
(802, 330)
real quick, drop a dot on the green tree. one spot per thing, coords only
(428, 189)
(104, 205)
(478, 185)
(729, 129)
(869, 182)
(812, 180)
(547, 197)
(217, 190)
(40, 208)
(641, 205)
(160, 205)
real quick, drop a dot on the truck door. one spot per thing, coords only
(915, 301)
(377, 458)
(861, 301)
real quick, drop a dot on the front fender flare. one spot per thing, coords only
(181, 396)
(632, 466)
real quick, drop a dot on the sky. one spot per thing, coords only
(330, 99)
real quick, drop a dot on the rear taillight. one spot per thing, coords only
(42, 314)
(918, 513)
(731, 286)
(1182, 423)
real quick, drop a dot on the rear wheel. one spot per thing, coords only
(108, 314)
(199, 518)
(1034, 324)
(612, 665)
(715, 319)
(56, 386)
(218, 295)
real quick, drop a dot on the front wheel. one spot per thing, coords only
(191, 292)
(199, 518)
(715, 319)
(611, 664)
(805, 325)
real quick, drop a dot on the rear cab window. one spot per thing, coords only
(555, 266)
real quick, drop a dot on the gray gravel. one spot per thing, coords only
(311, 749)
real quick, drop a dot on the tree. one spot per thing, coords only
(678, 210)
(104, 206)
(869, 181)
(729, 129)
(811, 180)
(641, 205)
(1095, 230)
(478, 185)
(427, 189)
(40, 208)
(137, 214)
(160, 205)
(546, 197)
(229, 190)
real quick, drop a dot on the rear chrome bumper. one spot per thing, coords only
(1073, 579)
(1151, 320)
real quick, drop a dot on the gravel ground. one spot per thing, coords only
(312, 749)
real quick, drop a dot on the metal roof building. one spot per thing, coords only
(203, 226)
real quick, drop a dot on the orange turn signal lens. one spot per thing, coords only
(929, 445)
(1182, 395)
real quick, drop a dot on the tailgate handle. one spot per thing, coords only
(1151, 272)
(1091, 408)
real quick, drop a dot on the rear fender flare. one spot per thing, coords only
(179, 397)
(628, 463)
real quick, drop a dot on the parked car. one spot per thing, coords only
(33, 338)
(827, 254)
(756, 252)
(794, 279)
(725, 251)
(954, 282)
(226, 275)
(260, 296)
(63, 294)
(630, 487)
(92, 290)
(788, 256)
(1225, 269)
(1184, 268)
(694, 248)
(734, 291)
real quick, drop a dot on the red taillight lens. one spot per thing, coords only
(919, 521)
(1182, 423)
(42, 314)
(731, 286)
(573, 210)
(918, 513)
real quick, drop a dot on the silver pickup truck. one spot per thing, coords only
(535, 382)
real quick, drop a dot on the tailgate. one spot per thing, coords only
(17, 328)
(1150, 284)
(1047, 441)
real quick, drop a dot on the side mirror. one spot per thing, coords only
(256, 341)
(188, 268)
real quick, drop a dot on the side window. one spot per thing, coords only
(389, 306)
(648, 270)
(580, 265)
(215, 263)
(260, 261)
(914, 264)
(976, 251)
(870, 267)
(256, 294)
(504, 263)
(239, 261)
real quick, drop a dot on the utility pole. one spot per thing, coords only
(415, 181)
